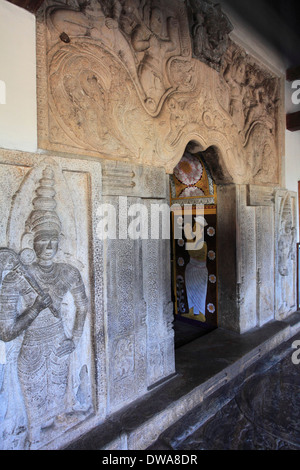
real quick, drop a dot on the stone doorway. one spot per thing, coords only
(193, 198)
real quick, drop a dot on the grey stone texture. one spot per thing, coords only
(85, 320)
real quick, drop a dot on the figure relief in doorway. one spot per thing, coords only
(196, 272)
(43, 310)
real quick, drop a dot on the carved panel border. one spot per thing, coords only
(84, 177)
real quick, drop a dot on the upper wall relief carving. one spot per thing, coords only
(110, 63)
(136, 80)
(210, 30)
(151, 42)
(250, 95)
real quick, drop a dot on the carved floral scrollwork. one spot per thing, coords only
(150, 41)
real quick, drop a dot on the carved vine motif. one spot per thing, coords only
(247, 92)
(210, 29)
(148, 37)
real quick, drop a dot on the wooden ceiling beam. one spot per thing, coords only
(293, 121)
(29, 5)
(293, 73)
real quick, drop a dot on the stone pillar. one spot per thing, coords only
(285, 253)
(246, 256)
(139, 311)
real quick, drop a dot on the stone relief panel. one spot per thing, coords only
(110, 66)
(47, 301)
(210, 30)
(251, 96)
(139, 311)
(285, 252)
(121, 80)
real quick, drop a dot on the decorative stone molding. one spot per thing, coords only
(119, 82)
(210, 30)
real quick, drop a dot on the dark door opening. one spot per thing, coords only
(194, 231)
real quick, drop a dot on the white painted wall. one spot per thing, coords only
(18, 116)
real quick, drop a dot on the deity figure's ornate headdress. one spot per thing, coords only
(43, 217)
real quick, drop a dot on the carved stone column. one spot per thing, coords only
(285, 252)
(140, 341)
(246, 257)
(236, 259)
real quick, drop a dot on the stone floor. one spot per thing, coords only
(230, 391)
(259, 410)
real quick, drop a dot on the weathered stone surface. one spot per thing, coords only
(210, 30)
(251, 256)
(51, 306)
(119, 82)
(285, 252)
(120, 85)
(85, 321)
(124, 179)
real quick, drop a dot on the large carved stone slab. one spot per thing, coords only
(285, 252)
(118, 80)
(51, 300)
(252, 253)
(210, 30)
(140, 337)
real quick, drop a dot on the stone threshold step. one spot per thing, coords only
(202, 367)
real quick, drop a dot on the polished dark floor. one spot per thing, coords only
(185, 333)
(260, 410)
(230, 391)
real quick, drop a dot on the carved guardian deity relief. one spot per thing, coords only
(47, 381)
